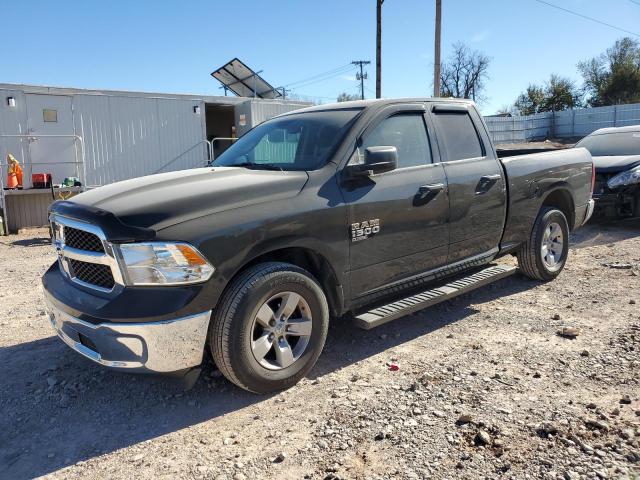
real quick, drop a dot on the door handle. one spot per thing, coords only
(486, 182)
(431, 189)
(426, 193)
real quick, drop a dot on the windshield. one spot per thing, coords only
(302, 141)
(612, 144)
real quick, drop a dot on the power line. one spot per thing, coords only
(588, 18)
(337, 70)
(328, 72)
(324, 78)
(634, 1)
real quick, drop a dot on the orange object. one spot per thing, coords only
(14, 174)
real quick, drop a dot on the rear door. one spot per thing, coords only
(398, 219)
(477, 189)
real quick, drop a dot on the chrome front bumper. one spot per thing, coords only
(590, 206)
(156, 347)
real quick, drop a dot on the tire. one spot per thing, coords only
(531, 259)
(241, 328)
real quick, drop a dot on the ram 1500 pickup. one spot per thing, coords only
(363, 208)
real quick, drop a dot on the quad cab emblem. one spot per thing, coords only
(363, 230)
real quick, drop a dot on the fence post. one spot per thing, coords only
(573, 122)
(615, 115)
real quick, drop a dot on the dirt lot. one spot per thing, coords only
(485, 388)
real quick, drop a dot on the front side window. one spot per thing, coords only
(457, 135)
(407, 132)
(300, 141)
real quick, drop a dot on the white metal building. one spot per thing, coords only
(103, 136)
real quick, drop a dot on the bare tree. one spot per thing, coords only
(347, 97)
(463, 75)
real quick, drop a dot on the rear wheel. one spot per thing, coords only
(544, 255)
(270, 327)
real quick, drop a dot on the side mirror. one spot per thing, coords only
(377, 160)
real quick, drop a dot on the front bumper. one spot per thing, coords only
(590, 207)
(152, 347)
(618, 204)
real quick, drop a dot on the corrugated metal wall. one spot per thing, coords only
(519, 129)
(28, 208)
(127, 137)
(567, 123)
(257, 111)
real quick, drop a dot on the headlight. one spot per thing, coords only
(163, 264)
(625, 178)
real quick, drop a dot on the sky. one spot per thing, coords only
(173, 46)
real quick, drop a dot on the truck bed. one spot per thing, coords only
(564, 173)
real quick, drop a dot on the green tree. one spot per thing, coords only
(346, 97)
(614, 76)
(558, 93)
(530, 101)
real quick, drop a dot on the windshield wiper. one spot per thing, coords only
(258, 166)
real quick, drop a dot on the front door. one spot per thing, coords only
(51, 115)
(398, 220)
(477, 188)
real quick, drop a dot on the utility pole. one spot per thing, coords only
(379, 48)
(436, 60)
(361, 76)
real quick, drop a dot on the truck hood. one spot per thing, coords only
(159, 201)
(614, 164)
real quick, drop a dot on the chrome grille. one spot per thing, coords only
(92, 273)
(82, 240)
(84, 254)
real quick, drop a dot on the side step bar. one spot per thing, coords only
(428, 298)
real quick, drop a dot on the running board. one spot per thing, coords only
(428, 298)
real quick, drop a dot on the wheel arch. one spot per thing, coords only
(562, 199)
(310, 260)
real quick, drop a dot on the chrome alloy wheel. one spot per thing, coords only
(281, 330)
(552, 246)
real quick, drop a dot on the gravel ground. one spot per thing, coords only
(478, 387)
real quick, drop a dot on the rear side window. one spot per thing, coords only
(457, 135)
(408, 133)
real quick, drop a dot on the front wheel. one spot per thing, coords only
(544, 255)
(270, 327)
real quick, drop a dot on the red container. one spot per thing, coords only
(41, 180)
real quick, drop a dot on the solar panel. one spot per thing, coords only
(243, 81)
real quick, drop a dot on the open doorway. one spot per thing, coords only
(220, 122)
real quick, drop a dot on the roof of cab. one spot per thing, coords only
(378, 102)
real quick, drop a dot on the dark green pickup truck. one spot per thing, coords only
(371, 209)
